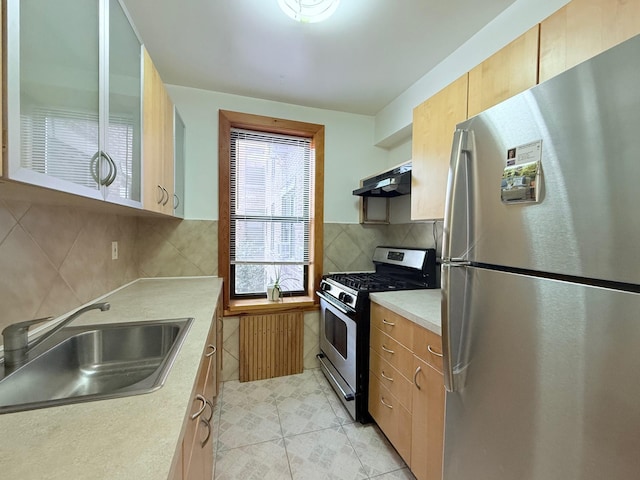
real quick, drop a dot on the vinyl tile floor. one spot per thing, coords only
(295, 428)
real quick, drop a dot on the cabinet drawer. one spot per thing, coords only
(428, 346)
(392, 324)
(392, 351)
(392, 418)
(391, 378)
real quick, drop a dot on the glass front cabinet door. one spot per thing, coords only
(74, 83)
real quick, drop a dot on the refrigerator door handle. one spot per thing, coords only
(459, 156)
(447, 362)
(458, 262)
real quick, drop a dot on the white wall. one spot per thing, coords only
(393, 123)
(350, 153)
(350, 140)
(400, 207)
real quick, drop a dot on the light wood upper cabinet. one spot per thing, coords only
(158, 142)
(73, 86)
(508, 72)
(434, 122)
(582, 29)
(168, 153)
(179, 138)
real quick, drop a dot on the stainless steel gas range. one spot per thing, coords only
(345, 323)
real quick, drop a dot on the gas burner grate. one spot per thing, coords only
(372, 282)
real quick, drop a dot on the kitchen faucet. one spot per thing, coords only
(16, 342)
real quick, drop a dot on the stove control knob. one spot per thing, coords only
(325, 287)
(345, 297)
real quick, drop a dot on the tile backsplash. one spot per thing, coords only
(177, 248)
(349, 247)
(56, 258)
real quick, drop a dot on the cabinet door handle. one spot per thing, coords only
(210, 403)
(208, 425)
(94, 168)
(204, 405)
(391, 324)
(161, 190)
(176, 201)
(384, 376)
(385, 403)
(415, 378)
(387, 350)
(213, 350)
(113, 169)
(433, 352)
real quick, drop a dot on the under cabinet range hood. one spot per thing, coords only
(391, 183)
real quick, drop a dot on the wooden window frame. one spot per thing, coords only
(227, 120)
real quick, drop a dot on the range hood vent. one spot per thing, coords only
(392, 183)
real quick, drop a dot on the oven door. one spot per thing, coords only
(338, 340)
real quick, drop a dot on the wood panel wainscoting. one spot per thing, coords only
(271, 345)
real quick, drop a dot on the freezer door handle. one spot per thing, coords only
(457, 153)
(457, 212)
(447, 362)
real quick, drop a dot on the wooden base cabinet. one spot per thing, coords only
(194, 455)
(197, 446)
(392, 418)
(406, 390)
(427, 426)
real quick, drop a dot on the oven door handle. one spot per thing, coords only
(347, 310)
(347, 396)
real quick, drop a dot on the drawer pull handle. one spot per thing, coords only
(213, 350)
(385, 403)
(387, 350)
(415, 378)
(384, 376)
(391, 324)
(204, 405)
(433, 352)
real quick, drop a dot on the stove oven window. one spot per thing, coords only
(335, 331)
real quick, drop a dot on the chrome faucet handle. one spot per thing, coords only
(15, 335)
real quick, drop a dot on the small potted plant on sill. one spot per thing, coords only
(274, 289)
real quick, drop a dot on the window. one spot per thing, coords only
(270, 215)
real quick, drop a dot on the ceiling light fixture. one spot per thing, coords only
(309, 11)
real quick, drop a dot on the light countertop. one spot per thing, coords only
(419, 306)
(125, 438)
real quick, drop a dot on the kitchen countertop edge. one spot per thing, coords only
(422, 307)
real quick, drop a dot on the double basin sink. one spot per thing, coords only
(94, 362)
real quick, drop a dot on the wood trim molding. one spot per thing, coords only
(228, 119)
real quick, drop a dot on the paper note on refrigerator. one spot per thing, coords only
(521, 176)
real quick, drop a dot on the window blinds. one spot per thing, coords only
(271, 182)
(61, 143)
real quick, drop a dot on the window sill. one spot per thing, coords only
(262, 305)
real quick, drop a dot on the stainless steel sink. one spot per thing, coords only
(80, 364)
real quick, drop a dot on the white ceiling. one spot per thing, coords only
(358, 61)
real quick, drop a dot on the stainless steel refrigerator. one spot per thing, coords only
(541, 275)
